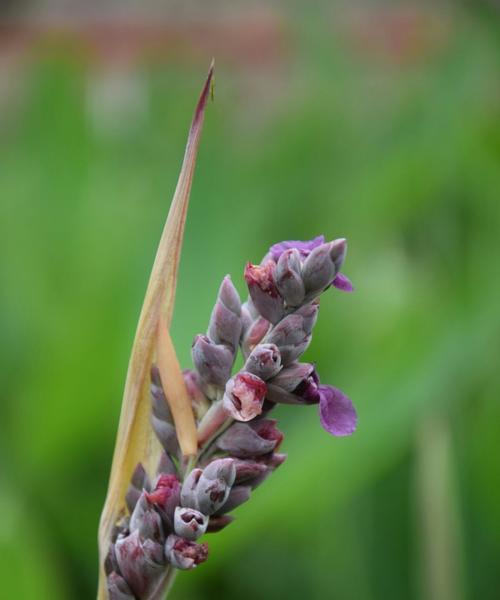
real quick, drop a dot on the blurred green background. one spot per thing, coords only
(377, 122)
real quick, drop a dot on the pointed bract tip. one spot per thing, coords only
(208, 90)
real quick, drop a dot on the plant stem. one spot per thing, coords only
(169, 581)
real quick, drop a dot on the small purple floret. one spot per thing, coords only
(342, 282)
(336, 412)
(304, 247)
(309, 389)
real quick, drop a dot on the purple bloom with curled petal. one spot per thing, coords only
(304, 247)
(336, 412)
(342, 282)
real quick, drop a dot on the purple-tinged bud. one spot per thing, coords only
(244, 440)
(199, 401)
(215, 484)
(292, 376)
(118, 588)
(289, 279)
(244, 396)
(248, 470)
(254, 334)
(166, 496)
(138, 482)
(336, 412)
(225, 323)
(263, 290)
(188, 491)
(309, 314)
(141, 563)
(183, 554)
(342, 282)
(216, 524)
(158, 399)
(146, 520)
(190, 523)
(237, 496)
(276, 460)
(165, 466)
(288, 331)
(110, 563)
(292, 352)
(264, 361)
(212, 361)
(304, 247)
(166, 434)
(305, 392)
(321, 266)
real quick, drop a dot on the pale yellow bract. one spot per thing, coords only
(135, 441)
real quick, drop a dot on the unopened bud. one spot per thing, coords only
(118, 588)
(263, 290)
(225, 323)
(264, 361)
(244, 440)
(289, 279)
(254, 334)
(190, 523)
(244, 396)
(188, 491)
(216, 524)
(215, 484)
(146, 520)
(290, 377)
(238, 495)
(199, 401)
(166, 496)
(212, 361)
(141, 563)
(321, 266)
(183, 554)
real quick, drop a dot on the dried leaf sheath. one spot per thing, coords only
(135, 440)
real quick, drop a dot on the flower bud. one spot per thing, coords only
(263, 290)
(141, 563)
(166, 496)
(244, 440)
(225, 323)
(212, 361)
(216, 524)
(248, 470)
(244, 396)
(118, 588)
(199, 401)
(183, 554)
(264, 361)
(254, 334)
(166, 434)
(292, 376)
(146, 520)
(188, 490)
(165, 466)
(237, 496)
(306, 390)
(321, 266)
(138, 482)
(189, 523)
(289, 279)
(158, 399)
(214, 485)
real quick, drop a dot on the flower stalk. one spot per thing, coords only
(215, 440)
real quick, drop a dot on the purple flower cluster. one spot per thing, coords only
(238, 442)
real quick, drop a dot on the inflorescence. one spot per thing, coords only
(238, 442)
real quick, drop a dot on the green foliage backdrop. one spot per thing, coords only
(403, 159)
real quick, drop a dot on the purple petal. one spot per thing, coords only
(342, 282)
(336, 412)
(304, 247)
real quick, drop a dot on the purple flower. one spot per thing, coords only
(336, 412)
(342, 282)
(304, 247)
(184, 554)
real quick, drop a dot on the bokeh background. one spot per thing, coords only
(375, 121)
